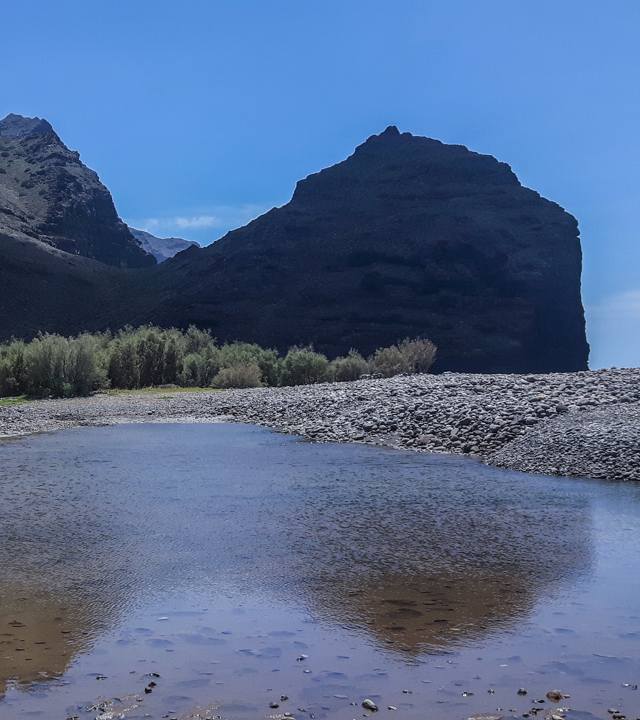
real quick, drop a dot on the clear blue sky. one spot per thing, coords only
(200, 114)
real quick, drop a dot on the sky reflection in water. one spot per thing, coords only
(390, 570)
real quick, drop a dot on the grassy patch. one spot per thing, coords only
(166, 391)
(9, 401)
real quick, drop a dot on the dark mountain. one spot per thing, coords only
(48, 194)
(406, 237)
(43, 289)
(60, 238)
(161, 248)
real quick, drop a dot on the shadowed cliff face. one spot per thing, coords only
(48, 194)
(406, 237)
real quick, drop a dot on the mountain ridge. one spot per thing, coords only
(408, 236)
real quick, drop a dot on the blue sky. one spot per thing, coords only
(199, 115)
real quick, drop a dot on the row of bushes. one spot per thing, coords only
(52, 365)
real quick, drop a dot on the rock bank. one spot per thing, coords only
(582, 424)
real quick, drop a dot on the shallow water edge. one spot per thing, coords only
(579, 424)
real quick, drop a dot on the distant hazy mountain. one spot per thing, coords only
(161, 248)
(47, 194)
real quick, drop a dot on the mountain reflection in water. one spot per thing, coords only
(39, 639)
(419, 552)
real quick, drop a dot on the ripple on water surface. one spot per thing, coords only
(231, 566)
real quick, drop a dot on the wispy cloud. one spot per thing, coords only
(217, 219)
(614, 330)
(197, 221)
(178, 222)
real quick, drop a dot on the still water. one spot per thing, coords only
(232, 567)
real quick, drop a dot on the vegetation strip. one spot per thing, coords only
(56, 366)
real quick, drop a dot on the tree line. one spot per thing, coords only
(55, 366)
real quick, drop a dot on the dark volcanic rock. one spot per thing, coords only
(406, 237)
(161, 248)
(48, 194)
(55, 218)
(43, 289)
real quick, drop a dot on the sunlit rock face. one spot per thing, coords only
(65, 255)
(48, 194)
(406, 237)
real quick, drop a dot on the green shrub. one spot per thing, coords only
(150, 349)
(193, 372)
(420, 354)
(303, 366)
(123, 368)
(240, 353)
(408, 356)
(171, 361)
(86, 367)
(53, 365)
(13, 378)
(350, 367)
(46, 366)
(389, 361)
(243, 375)
(197, 340)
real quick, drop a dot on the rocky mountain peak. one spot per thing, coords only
(19, 126)
(384, 165)
(47, 194)
(407, 237)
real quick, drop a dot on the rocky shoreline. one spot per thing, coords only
(582, 424)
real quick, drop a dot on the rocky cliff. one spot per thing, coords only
(407, 237)
(48, 194)
(62, 245)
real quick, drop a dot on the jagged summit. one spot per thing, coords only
(19, 126)
(391, 161)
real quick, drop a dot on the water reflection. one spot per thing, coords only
(419, 553)
(428, 553)
(38, 640)
(430, 614)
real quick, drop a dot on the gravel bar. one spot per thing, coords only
(583, 424)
